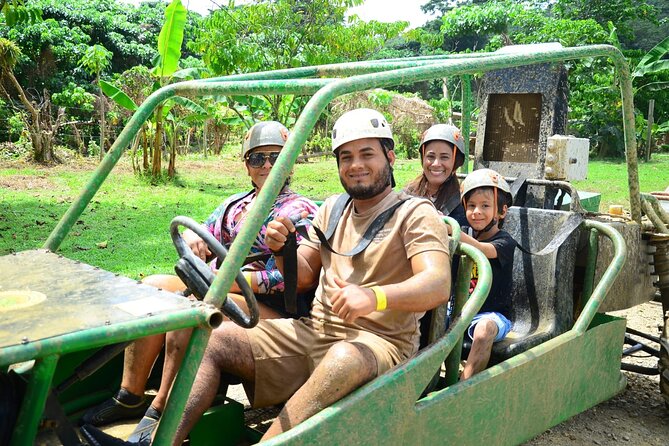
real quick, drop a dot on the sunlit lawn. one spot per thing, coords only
(125, 229)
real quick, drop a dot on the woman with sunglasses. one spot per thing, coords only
(442, 152)
(260, 149)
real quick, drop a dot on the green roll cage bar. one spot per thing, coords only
(314, 81)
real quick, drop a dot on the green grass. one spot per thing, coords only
(610, 179)
(125, 228)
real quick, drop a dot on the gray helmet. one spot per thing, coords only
(443, 132)
(358, 124)
(484, 178)
(267, 133)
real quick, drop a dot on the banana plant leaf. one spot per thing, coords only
(652, 62)
(170, 39)
(117, 95)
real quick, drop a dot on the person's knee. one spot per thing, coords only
(166, 282)
(351, 360)
(485, 331)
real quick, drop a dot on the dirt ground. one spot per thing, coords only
(637, 416)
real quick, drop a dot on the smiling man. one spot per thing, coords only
(380, 262)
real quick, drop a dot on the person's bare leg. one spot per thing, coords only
(175, 349)
(345, 367)
(479, 355)
(228, 351)
(138, 362)
(142, 353)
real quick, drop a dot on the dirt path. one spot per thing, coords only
(637, 416)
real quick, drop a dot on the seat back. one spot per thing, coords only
(542, 289)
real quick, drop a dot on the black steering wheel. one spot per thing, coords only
(198, 276)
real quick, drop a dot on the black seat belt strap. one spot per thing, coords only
(451, 204)
(373, 229)
(290, 273)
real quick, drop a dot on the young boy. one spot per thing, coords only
(486, 196)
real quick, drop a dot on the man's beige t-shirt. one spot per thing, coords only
(414, 228)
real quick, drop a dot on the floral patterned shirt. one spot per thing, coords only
(226, 227)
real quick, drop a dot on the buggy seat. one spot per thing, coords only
(542, 288)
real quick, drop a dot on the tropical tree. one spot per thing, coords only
(42, 128)
(620, 13)
(166, 70)
(268, 35)
(95, 60)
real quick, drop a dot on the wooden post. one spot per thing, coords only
(649, 137)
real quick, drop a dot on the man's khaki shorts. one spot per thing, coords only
(286, 352)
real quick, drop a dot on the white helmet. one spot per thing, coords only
(443, 132)
(484, 178)
(266, 133)
(358, 124)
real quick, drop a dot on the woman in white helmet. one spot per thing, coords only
(442, 153)
(486, 196)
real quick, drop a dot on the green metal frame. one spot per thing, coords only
(47, 352)
(560, 378)
(376, 74)
(402, 385)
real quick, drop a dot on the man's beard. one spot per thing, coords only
(360, 192)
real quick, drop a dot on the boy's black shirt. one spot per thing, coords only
(499, 299)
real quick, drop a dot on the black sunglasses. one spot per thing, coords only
(257, 159)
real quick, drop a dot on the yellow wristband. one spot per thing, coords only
(247, 276)
(381, 298)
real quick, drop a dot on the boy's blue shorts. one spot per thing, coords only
(503, 324)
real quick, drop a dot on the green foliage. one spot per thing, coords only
(380, 98)
(443, 6)
(653, 61)
(504, 22)
(407, 137)
(118, 96)
(75, 97)
(16, 12)
(442, 109)
(269, 35)
(618, 12)
(96, 59)
(170, 40)
(51, 54)
(493, 18)
(16, 125)
(595, 107)
(9, 54)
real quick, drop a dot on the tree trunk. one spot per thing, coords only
(156, 165)
(205, 143)
(102, 119)
(171, 168)
(78, 141)
(41, 138)
(145, 150)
